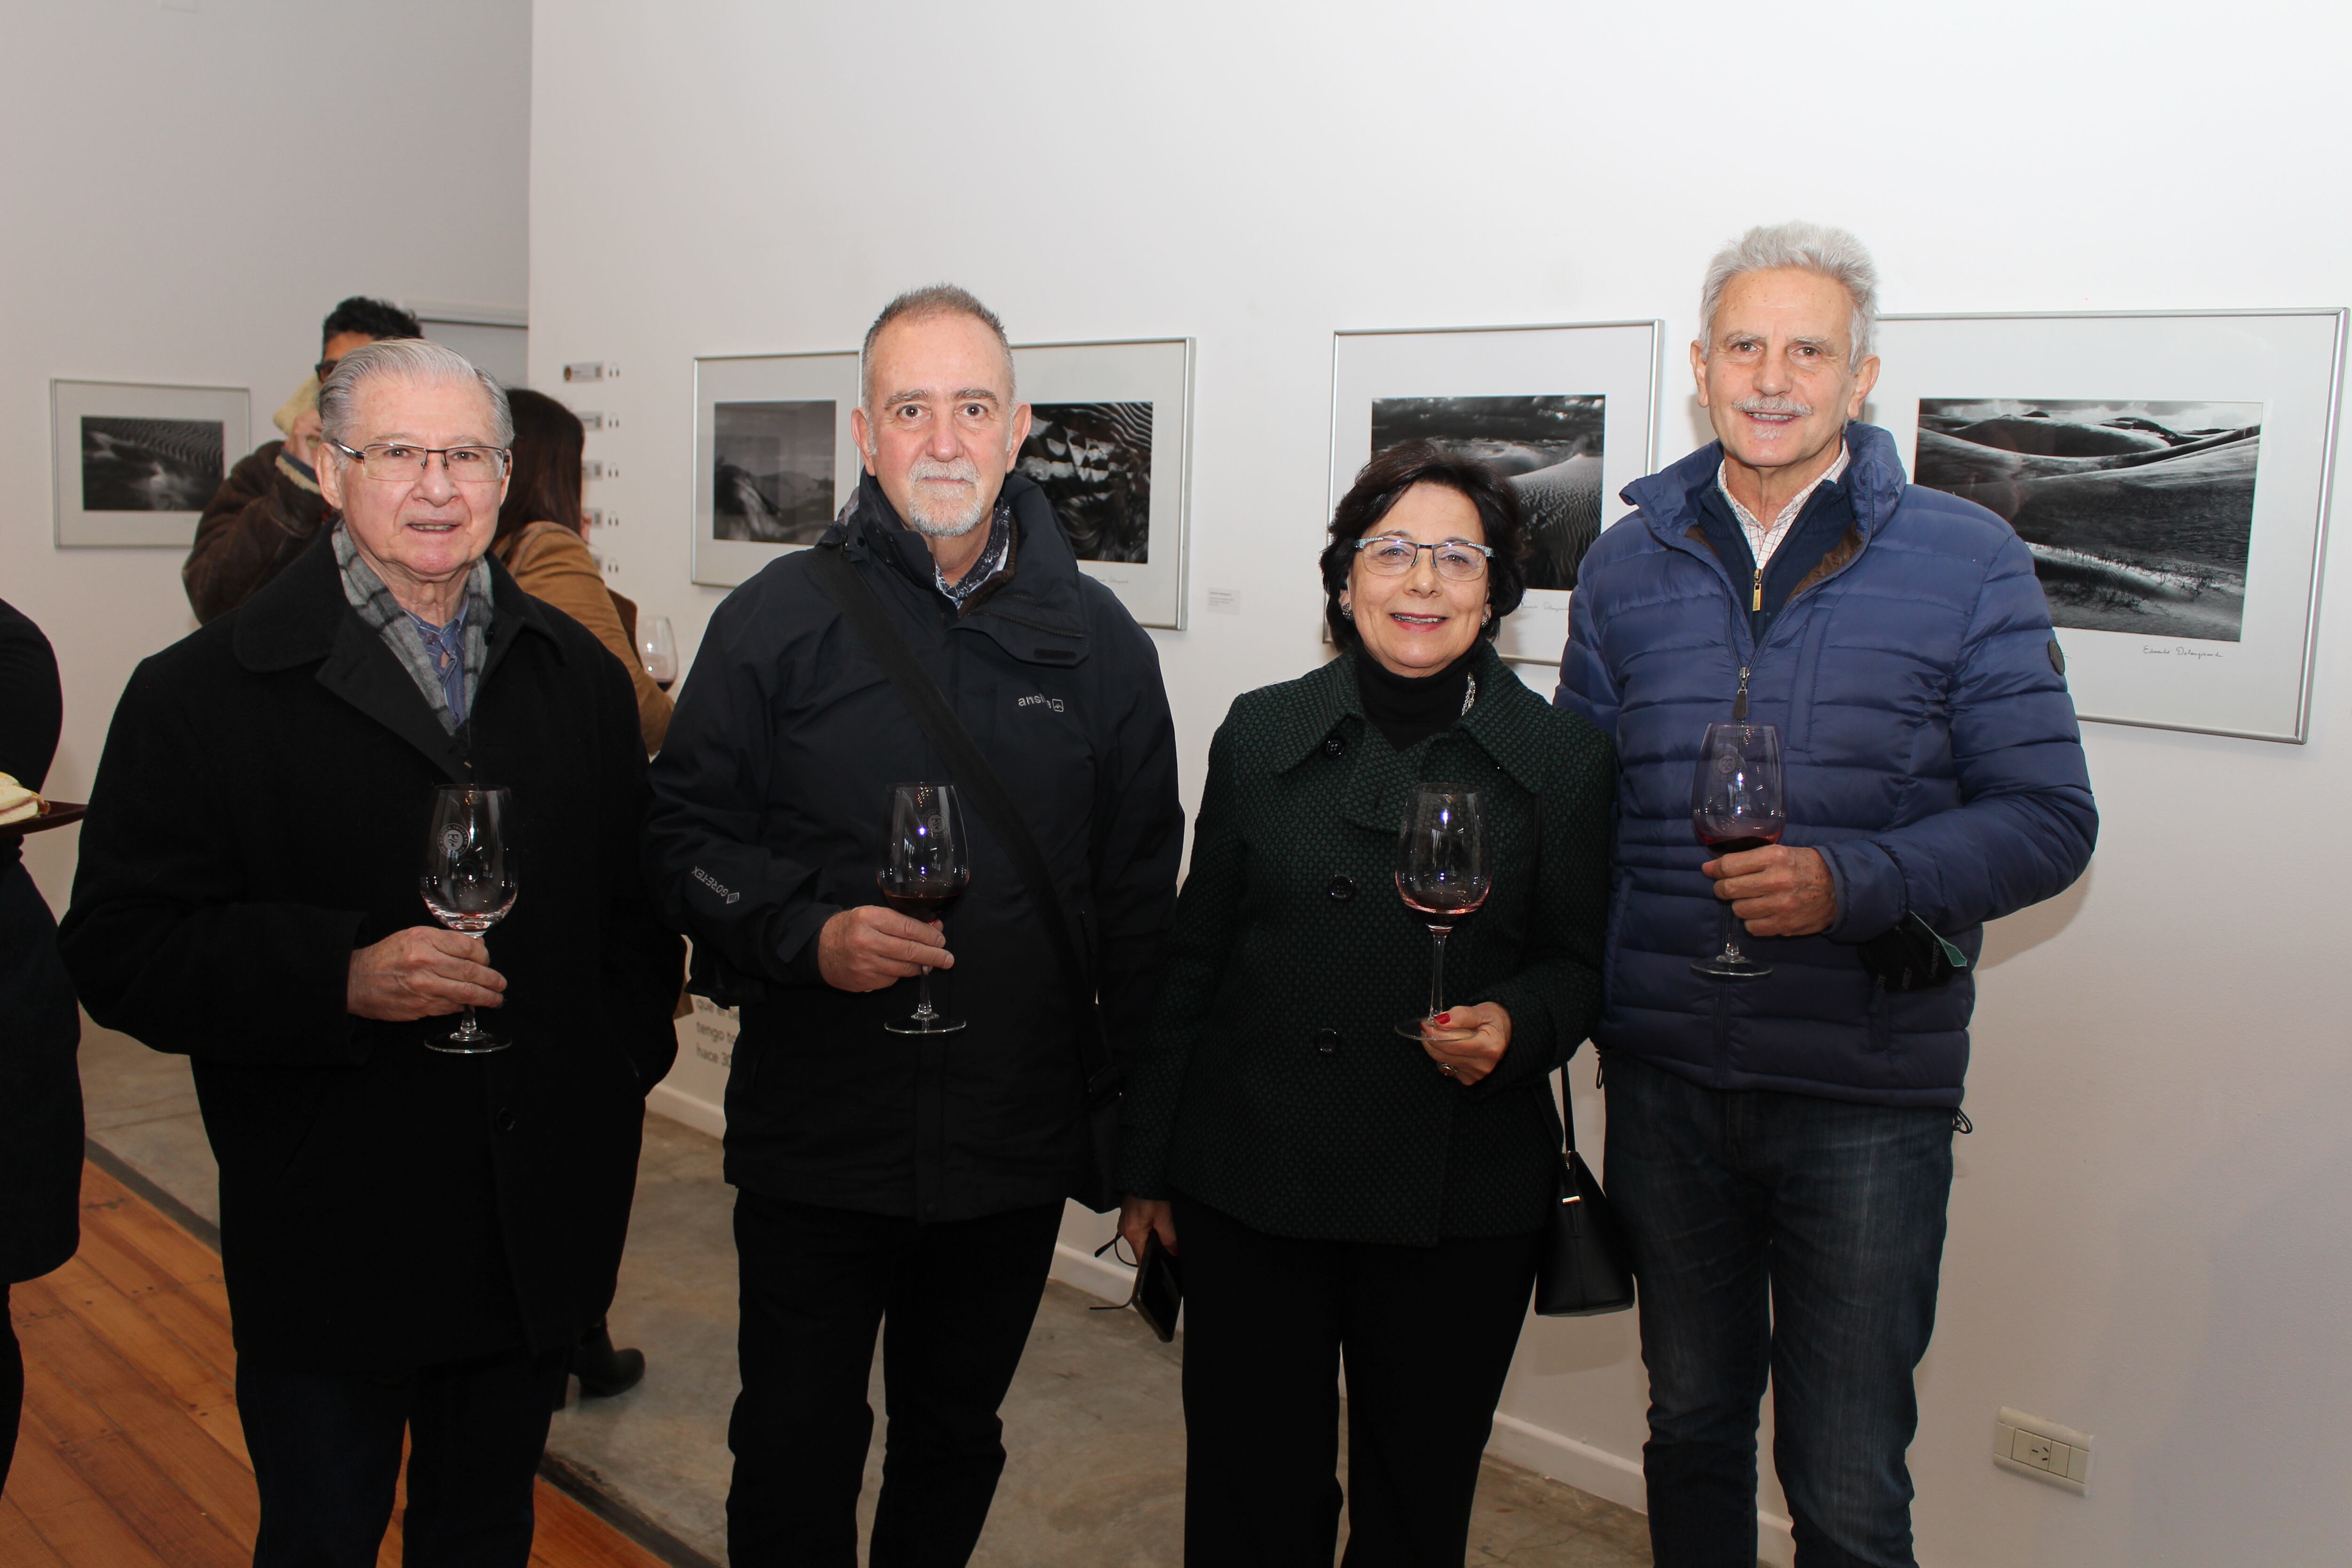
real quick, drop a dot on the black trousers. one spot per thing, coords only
(12, 1387)
(817, 1283)
(326, 1453)
(1427, 1333)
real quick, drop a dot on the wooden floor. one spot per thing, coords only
(130, 1455)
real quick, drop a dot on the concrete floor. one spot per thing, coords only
(1094, 1423)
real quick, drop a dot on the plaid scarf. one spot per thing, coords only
(445, 662)
(991, 557)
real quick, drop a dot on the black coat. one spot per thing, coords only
(259, 813)
(769, 796)
(40, 1079)
(1275, 1086)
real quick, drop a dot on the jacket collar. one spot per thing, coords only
(1874, 480)
(1497, 721)
(1035, 614)
(301, 617)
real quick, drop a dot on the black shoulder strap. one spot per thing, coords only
(1566, 1111)
(979, 784)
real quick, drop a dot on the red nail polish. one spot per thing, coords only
(1441, 1017)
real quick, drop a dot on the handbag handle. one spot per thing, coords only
(939, 723)
(1568, 1130)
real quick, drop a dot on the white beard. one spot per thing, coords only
(954, 521)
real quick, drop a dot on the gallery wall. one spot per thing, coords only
(185, 189)
(2151, 1233)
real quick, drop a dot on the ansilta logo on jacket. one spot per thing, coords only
(1039, 699)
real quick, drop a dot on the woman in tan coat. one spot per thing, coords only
(542, 538)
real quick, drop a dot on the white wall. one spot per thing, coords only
(184, 195)
(2151, 1237)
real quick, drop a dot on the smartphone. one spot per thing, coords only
(1159, 1289)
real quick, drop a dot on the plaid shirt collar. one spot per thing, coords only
(449, 685)
(992, 556)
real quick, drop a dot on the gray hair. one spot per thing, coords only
(404, 359)
(1833, 253)
(920, 305)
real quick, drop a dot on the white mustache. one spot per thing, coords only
(963, 468)
(1772, 405)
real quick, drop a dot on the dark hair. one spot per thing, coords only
(921, 305)
(1382, 482)
(548, 441)
(377, 319)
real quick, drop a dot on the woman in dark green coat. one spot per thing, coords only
(1333, 1188)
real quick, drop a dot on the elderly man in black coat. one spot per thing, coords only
(916, 1177)
(412, 1240)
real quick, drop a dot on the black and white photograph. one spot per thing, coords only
(132, 463)
(1549, 447)
(2139, 514)
(772, 478)
(1094, 460)
(150, 465)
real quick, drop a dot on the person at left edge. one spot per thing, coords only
(412, 1241)
(879, 1175)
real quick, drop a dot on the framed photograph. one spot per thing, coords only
(1566, 413)
(773, 458)
(1110, 441)
(2169, 472)
(134, 464)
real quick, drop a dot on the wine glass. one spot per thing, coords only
(1738, 801)
(658, 648)
(926, 866)
(1442, 874)
(468, 882)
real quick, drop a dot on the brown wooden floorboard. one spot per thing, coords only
(130, 1454)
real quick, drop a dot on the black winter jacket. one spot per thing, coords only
(259, 813)
(769, 794)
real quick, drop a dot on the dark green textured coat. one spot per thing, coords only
(1272, 1084)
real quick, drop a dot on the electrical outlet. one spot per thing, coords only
(2042, 1449)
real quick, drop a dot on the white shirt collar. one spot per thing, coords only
(1764, 540)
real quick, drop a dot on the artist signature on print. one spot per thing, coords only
(2179, 650)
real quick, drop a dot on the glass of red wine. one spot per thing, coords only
(1442, 875)
(1738, 801)
(925, 867)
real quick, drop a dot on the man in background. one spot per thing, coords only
(269, 509)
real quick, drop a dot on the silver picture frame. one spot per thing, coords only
(132, 463)
(773, 456)
(2183, 577)
(1555, 369)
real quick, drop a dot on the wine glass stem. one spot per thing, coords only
(466, 1026)
(1731, 935)
(1437, 935)
(923, 996)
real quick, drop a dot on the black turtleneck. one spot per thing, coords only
(1409, 709)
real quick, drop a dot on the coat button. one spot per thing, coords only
(1333, 745)
(506, 1122)
(1327, 1042)
(1343, 888)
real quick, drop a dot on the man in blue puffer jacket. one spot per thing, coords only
(1781, 1147)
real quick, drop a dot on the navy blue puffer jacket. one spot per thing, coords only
(1933, 760)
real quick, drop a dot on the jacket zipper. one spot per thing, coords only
(1756, 602)
(1739, 702)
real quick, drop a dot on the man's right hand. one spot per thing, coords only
(421, 973)
(867, 947)
(1138, 1218)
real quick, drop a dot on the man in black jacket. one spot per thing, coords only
(412, 1240)
(916, 1178)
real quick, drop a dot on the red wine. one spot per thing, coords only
(665, 685)
(1436, 912)
(1738, 841)
(927, 905)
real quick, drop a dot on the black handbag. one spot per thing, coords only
(1097, 1185)
(1587, 1267)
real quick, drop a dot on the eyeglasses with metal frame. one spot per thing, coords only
(402, 462)
(1455, 560)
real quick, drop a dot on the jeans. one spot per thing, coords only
(1792, 1234)
(817, 1285)
(1427, 1333)
(326, 1452)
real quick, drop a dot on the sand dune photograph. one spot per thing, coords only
(1094, 461)
(2139, 514)
(150, 465)
(772, 481)
(1549, 447)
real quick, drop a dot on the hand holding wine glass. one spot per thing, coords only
(926, 866)
(1442, 875)
(468, 882)
(1739, 802)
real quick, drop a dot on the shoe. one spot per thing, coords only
(601, 1370)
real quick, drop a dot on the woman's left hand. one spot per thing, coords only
(1467, 1042)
